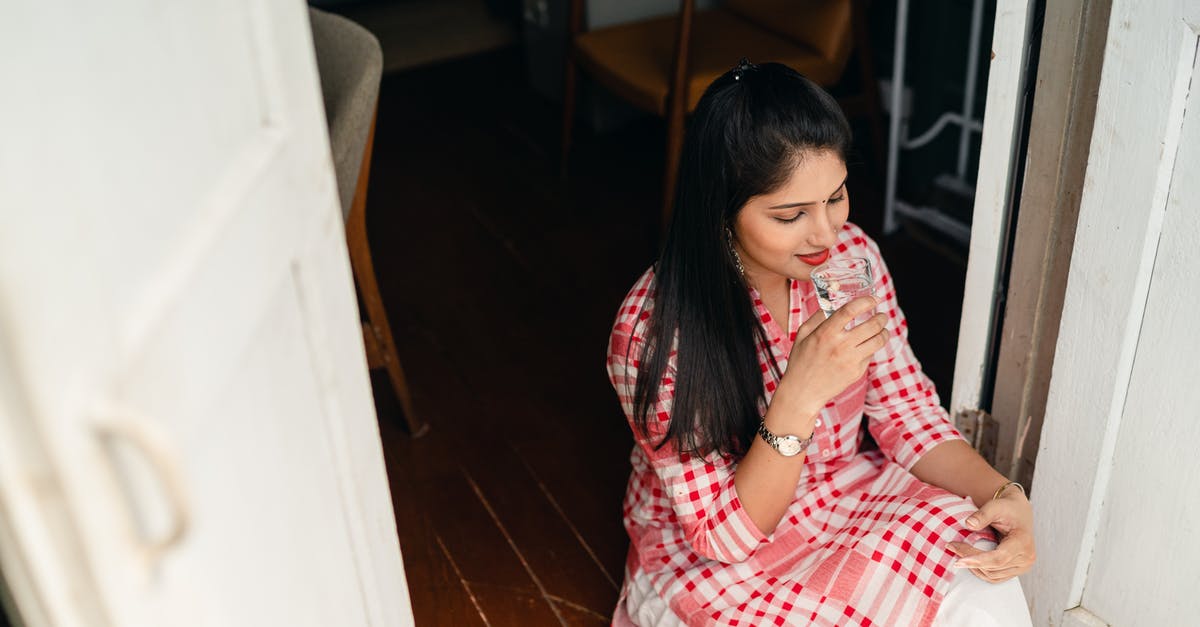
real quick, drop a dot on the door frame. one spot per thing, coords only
(998, 162)
(1060, 134)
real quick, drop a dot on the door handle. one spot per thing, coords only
(120, 425)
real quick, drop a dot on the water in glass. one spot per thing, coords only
(839, 281)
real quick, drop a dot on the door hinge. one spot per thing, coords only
(981, 430)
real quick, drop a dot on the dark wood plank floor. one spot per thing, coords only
(501, 281)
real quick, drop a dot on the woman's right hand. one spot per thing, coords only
(826, 358)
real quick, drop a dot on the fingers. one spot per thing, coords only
(1014, 555)
(809, 326)
(962, 549)
(984, 575)
(993, 574)
(843, 317)
(990, 513)
(869, 332)
(988, 560)
(1000, 515)
(998, 576)
(1002, 574)
(1014, 550)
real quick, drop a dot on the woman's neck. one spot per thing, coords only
(768, 283)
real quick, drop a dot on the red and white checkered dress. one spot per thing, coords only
(863, 542)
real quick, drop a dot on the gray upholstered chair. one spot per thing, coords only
(350, 63)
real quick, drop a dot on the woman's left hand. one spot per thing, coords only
(1011, 516)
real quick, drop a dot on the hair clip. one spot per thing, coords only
(742, 66)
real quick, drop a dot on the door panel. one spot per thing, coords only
(179, 323)
(1144, 569)
(262, 483)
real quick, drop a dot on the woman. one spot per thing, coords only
(720, 350)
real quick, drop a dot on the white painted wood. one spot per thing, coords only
(1145, 567)
(181, 346)
(993, 191)
(1080, 617)
(1099, 473)
(36, 554)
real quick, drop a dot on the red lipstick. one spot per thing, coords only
(815, 259)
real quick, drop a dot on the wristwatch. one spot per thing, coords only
(786, 445)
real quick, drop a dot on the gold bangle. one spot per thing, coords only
(1005, 486)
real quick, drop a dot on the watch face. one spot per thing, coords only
(789, 445)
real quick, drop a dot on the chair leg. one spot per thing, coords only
(874, 113)
(675, 124)
(677, 101)
(868, 84)
(371, 345)
(377, 329)
(568, 122)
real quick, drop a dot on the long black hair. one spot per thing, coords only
(748, 133)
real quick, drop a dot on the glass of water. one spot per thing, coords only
(839, 281)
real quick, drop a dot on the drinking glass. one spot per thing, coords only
(839, 281)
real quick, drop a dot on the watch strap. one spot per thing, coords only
(774, 439)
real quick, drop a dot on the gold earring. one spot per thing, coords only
(737, 259)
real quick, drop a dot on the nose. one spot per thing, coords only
(824, 233)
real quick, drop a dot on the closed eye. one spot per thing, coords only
(832, 201)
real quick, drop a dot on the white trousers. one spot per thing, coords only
(973, 601)
(970, 602)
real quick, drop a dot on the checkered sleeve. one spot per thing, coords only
(700, 491)
(905, 415)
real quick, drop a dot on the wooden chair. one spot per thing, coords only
(662, 65)
(350, 63)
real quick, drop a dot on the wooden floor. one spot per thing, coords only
(501, 281)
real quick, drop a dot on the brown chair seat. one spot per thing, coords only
(634, 59)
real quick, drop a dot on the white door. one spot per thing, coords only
(1115, 486)
(187, 435)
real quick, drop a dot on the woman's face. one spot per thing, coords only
(789, 231)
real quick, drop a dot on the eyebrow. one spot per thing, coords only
(792, 205)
